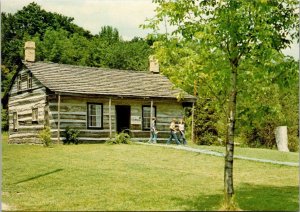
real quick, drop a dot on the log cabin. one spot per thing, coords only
(99, 102)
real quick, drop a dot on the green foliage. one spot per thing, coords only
(6, 76)
(120, 138)
(214, 40)
(4, 120)
(132, 55)
(269, 100)
(71, 136)
(31, 21)
(59, 40)
(45, 136)
(206, 132)
(293, 144)
(109, 34)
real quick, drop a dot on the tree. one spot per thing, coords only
(241, 32)
(109, 34)
(59, 40)
(31, 21)
(129, 55)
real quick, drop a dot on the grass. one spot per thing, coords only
(137, 177)
(269, 154)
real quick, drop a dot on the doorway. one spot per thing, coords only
(122, 117)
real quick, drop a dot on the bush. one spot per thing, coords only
(71, 136)
(45, 136)
(293, 144)
(120, 138)
(261, 134)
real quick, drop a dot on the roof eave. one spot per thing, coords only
(188, 99)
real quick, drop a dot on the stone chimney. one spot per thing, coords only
(30, 51)
(154, 66)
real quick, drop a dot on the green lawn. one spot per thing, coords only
(255, 153)
(137, 177)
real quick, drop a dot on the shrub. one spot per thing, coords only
(120, 138)
(293, 144)
(261, 134)
(45, 136)
(71, 136)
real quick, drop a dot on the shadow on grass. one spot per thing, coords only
(248, 197)
(38, 176)
(271, 198)
(200, 203)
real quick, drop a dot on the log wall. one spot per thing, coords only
(22, 102)
(73, 113)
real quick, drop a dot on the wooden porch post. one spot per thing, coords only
(151, 113)
(109, 114)
(58, 119)
(193, 125)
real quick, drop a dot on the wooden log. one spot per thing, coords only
(58, 120)
(110, 127)
(151, 114)
(193, 124)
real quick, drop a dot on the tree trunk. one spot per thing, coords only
(228, 169)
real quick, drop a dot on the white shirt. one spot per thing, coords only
(181, 127)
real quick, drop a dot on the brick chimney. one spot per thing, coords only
(30, 51)
(154, 66)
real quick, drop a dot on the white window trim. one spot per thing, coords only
(89, 115)
(35, 116)
(15, 121)
(19, 82)
(29, 80)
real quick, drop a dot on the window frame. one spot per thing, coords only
(19, 82)
(15, 121)
(88, 116)
(29, 80)
(147, 106)
(35, 119)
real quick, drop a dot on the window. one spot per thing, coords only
(15, 121)
(94, 116)
(29, 81)
(35, 115)
(19, 81)
(147, 116)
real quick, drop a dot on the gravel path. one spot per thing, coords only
(218, 154)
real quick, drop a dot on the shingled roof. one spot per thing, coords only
(63, 78)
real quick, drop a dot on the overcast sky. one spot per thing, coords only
(125, 15)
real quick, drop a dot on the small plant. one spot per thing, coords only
(71, 136)
(45, 136)
(229, 206)
(120, 138)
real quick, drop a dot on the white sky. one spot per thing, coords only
(125, 15)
